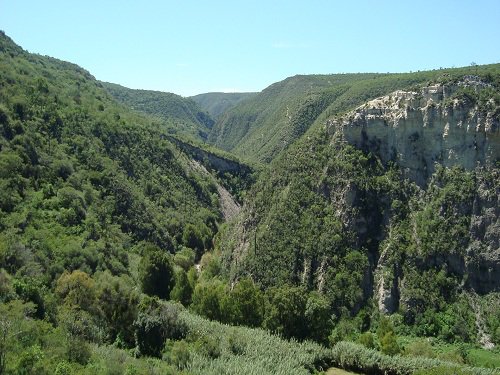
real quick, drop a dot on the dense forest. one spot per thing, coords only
(179, 115)
(129, 246)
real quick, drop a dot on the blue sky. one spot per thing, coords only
(189, 47)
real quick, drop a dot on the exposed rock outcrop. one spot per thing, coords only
(418, 129)
(440, 124)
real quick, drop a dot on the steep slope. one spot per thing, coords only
(180, 115)
(84, 179)
(262, 127)
(236, 176)
(216, 103)
(397, 200)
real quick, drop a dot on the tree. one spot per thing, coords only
(192, 238)
(285, 311)
(156, 273)
(77, 289)
(345, 285)
(12, 317)
(118, 302)
(389, 344)
(155, 323)
(318, 317)
(182, 290)
(207, 298)
(384, 327)
(248, 304)
(366, 339)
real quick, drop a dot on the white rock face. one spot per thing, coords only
(417, 130)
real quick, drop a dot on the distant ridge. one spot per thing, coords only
(216, 103)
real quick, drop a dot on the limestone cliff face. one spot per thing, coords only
(418, 129)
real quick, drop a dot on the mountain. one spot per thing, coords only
(261, 127)
(392, 205)
(179, 115)
(216, 103)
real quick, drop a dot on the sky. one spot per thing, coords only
(190, 47)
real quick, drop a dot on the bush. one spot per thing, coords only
(63, 368)
(156, 272)
(182, 290)
(285, 312)
(155, 324)
(77, 350)
(207, 299)
(77, 289)
(179, 355)
(185, 258)
(366, 339)
(358, 358)
(29, 361)
(236, 342)
(419, 348)
(389, 344)
(117, 299)
(207, 346)
(344, 330)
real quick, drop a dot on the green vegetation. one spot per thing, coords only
(104, 218)
(93, 199)
(236, 176)
(358, 358)
(178, 115)
(261, 127)
(216, 103)
(326, 216)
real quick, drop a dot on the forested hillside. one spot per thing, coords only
(392, 209)
(216, 103)
(262, 127)
(91, 195)
(181, 116)
(129, 247)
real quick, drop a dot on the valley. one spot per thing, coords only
(329, 224)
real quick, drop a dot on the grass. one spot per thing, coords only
(338, 371)
(484, 358)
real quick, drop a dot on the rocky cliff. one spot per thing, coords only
(447, 124)
(397, 200)
(450, 125)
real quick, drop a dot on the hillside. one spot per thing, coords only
(262, 127)
(179, 115)
(392, 208)
(126, 249)
(88, 189)
(216, 103)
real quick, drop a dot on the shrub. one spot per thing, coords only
(156, 272)
(77, 350)
(63, 368)
(157, 322)
(343, 330)
(236, 342)
(366, 339)
(285, 311)
(29, 361)
(419, 348)
(179, 355)
(76, 289)
(358, 358)
(389, 344)
(182, 290)
(207, 346)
